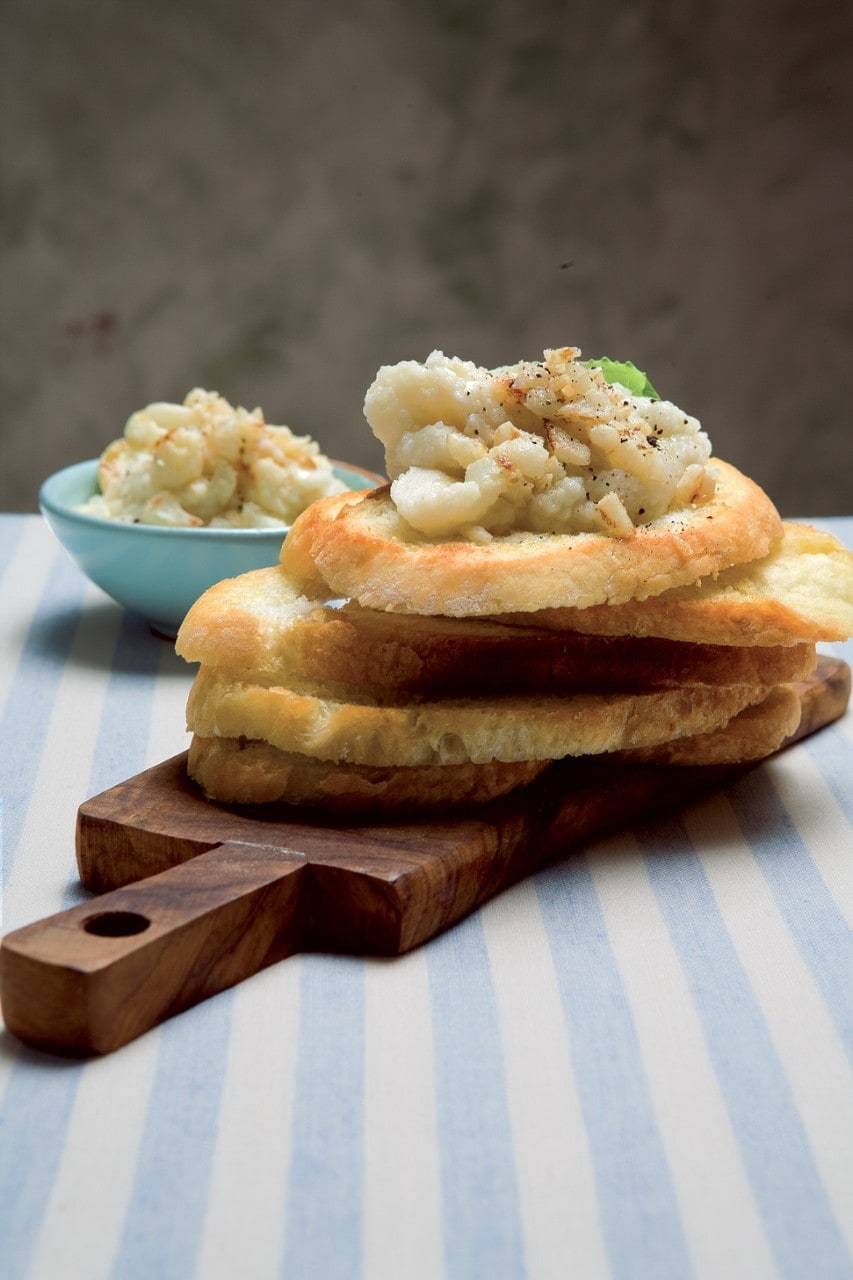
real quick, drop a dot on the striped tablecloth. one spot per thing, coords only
(635, 1064)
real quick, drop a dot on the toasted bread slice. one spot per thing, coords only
(268, 628)
(802, 590)
(452, 731)
(752, 734)
(240, 771)
(359, 545)
(243, 771)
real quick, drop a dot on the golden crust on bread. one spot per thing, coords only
(453, 730)
(250, 625)
(359, 546)
(802, 590)
(753, 734)
(244, 771)
(239, 771)
(267, 627)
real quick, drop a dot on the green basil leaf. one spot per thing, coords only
(625, 373)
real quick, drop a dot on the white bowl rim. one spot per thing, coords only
(48, 502)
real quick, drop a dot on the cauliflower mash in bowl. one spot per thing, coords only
(189, 495)
(205, 462)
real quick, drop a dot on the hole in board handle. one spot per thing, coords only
(116, 924)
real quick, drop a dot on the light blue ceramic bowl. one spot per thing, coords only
(158, 572)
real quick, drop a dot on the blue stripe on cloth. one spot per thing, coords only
(11, 533)
(639, 1211)
(122, 743)
(37, 1102)
(163, 1229)
(162, 1233)
(121, 746)
(26, 716)
(830, 753)
(814, 921)
(797, 1217)
(44, 1116)
(482, 1224)
(325, 1192)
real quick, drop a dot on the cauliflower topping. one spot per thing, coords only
(204, 462)
(542, 446)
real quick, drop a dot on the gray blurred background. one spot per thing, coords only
(273, 199)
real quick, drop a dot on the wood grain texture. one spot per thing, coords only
(197, 896)
(89, 979)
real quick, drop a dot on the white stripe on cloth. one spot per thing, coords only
(97, 1169)
(403, 1227)
(21, 588)
(798, 1217)
(708, 1175)
(803, 1033)
(820, 822)
(559, 1206)
(42, 871)
(245, 1220)
(95, 1176)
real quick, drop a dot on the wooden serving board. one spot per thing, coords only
(195, 896)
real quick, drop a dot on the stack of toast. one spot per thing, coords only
(307, 696)
(558, 568)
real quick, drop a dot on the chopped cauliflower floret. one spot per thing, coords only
(546, 446)
(438, 443)
(206, 463)
(438, 501)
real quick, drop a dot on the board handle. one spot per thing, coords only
(89, 979)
